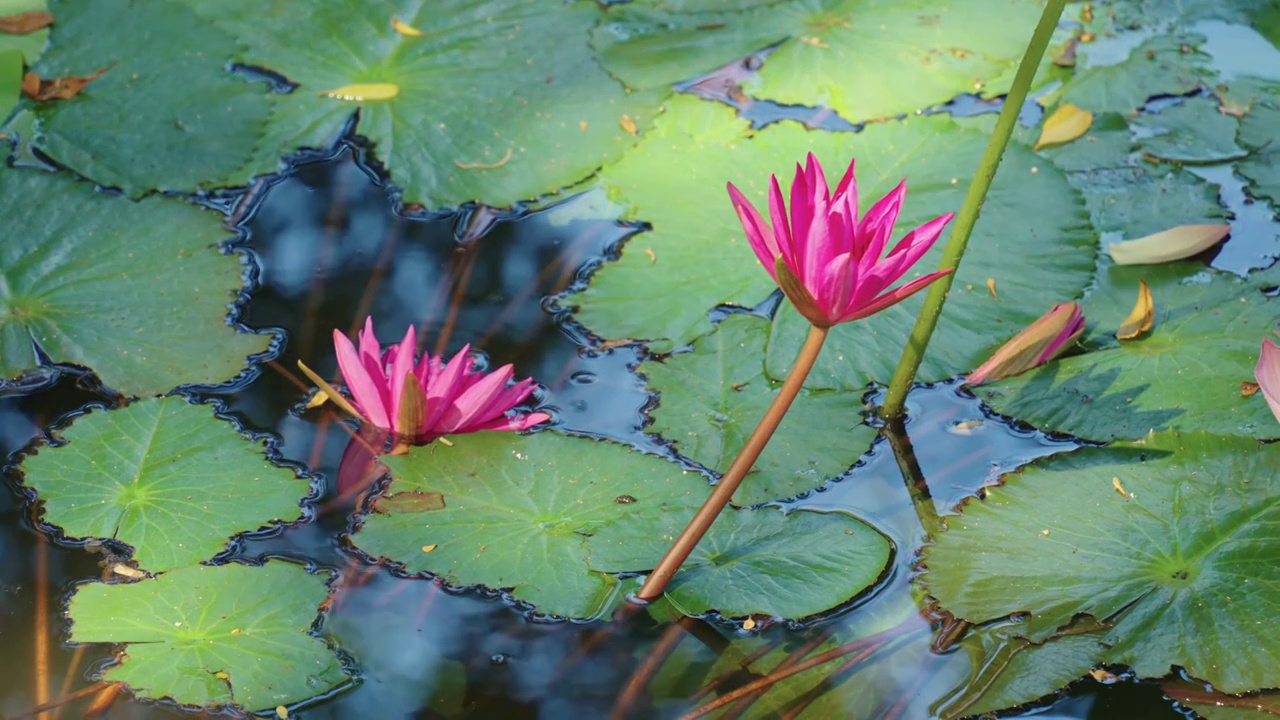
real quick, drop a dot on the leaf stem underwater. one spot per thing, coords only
(657, 581)
(913, 353)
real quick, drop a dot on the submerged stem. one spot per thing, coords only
(657, 581)
(912, 354)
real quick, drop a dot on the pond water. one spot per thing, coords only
(325, 247)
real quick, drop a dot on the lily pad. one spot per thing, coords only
(496, 101)
(696, 256)
(518, 513)
(1164, 65)
(138, 292)
(711, 399)
(1260, 130)
(10, 81)
(166, 116)
(163, 476)
(213, 636)
(1170, 540)
(1192, 131)
(923, 53)
(753, 562)
(29, 45)
(1185, 374)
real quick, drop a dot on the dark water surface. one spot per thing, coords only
(329, 248)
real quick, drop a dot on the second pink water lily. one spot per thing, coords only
(826, 259)
(425, 399)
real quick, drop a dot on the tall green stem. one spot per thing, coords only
(657, 581)
(905, 374)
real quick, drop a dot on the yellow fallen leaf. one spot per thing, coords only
(991, 287)
(223, 676)
(404, 29)
(1249, 388)
(1115, 483)
(749, 624)
(328, 390)
(364, 92)
(129, 572)
(429, 548)
(282, 712)
(1141, 318)
(1167, 245)
(1066, 123)
(628, 124)
(320, 398)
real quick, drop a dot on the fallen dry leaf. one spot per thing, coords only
(484, 166)
(749, 624)
(628, 124)
(63, 88)
(611, 344)
(1141, 318)
(1103, 676)
(25, 22)
(991, 288)
(1115, 483)
(364, 92)
(320, 398)
(126, 571)
(1066, 123)
(404, 29)
(429, 548)
(411, 501)
(1167, 245)
(1249, 388)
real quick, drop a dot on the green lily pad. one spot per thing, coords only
(163, 476)
(696, 256)
(753, 562)
(10, 81)
(711, 399)
(1185, 374)
(1164, 65)
(518, 512)
(497, 101)
(1183, 566)
(166, 116)
(1193, 131)
(212, 636)
(138, 292)
(1260, 130)
(924, 53)
(29, 45)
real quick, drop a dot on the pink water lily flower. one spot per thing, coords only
(826, 259)
(421, 401)
(1267, 373)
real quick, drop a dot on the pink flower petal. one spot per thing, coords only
(781, 222)
(475, 404)
(876, 227)
(400, 364)
(366, 389)
(892, 297)
(1267, 372)
(758, 232)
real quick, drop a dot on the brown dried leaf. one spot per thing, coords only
(63, 88)
(1141, 318)
(1172, 244)
(1066, 123)
(628, 124)
(1249, 388)
(25, 22)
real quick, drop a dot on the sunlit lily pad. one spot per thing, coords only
(1171, 540)
(1185, 374)
(163, 476)
(710, 400)
(923, 53)
(212, 636)
(518, 512)
(138, 292)
(1192, 131)
(753, 561)
(497, 101)
(697, 256)
(166, 115)
(1260, 131)
(1165, 65)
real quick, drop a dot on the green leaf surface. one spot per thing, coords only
(163, 476)
(10, 81)
(518, 512)
(1185, 374)
(29, 45)
(138, 292)
(166, 115)
(711, 399)
(187, 629)
(922, 53)
(499, 101)
(701, 258)
(1192, 131)
(1164, 65)
(1184, 565)
(753, 562)
(1260, 131)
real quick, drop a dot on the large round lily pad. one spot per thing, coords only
(213, 636)
(496, 101)
(513, 512)
(1171, 540)
(163, 476)
(710, 400)
(138, 292)
(1184, 374)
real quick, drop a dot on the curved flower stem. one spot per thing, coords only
(905, 374)
(657, 581)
